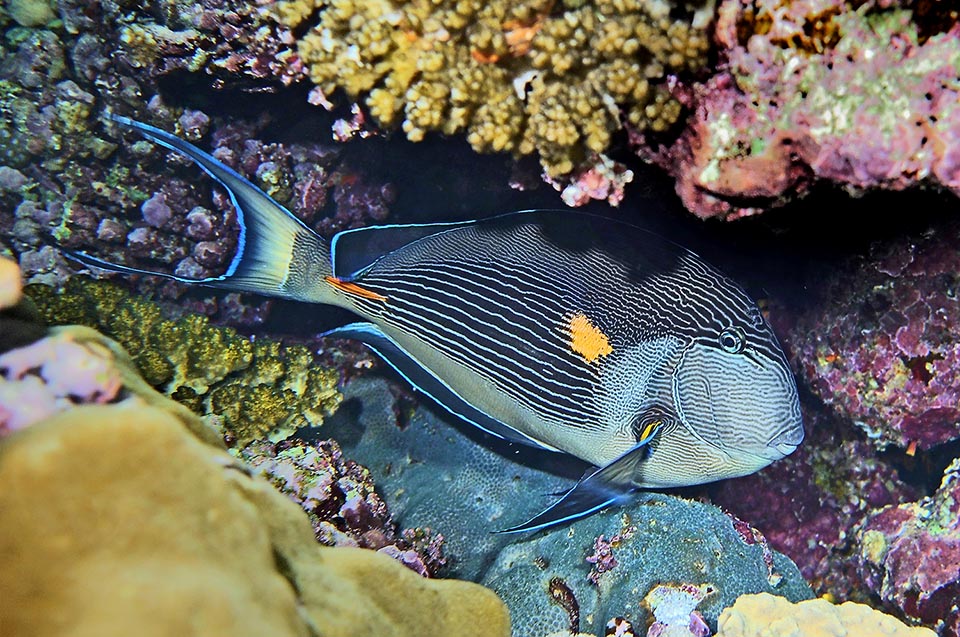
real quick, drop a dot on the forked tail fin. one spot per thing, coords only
(277, 255)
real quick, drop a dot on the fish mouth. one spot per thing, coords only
(783, 448)
(787, 442)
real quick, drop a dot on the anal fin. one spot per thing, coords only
(425, 381)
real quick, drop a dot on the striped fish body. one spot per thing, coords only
(570, 328)
(567, 332)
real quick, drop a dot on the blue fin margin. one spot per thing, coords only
(421, 379)
(607, 486)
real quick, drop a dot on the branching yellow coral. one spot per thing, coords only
(543, 76)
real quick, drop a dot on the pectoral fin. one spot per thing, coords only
(425, 381)
(608, 485)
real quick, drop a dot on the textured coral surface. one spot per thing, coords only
(883, 345)
(148, 515)
(592, 570)
(910, 554)
(537, 76)
(861, 94)
(259, 388)
(765, 614)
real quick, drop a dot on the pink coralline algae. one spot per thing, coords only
(339, 498)
(883, 347)
(861, 94)
(911, 554)
(51, 375)
(602, 558)
(809, 503)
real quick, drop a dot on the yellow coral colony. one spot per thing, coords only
(765, 614)
(547, 76)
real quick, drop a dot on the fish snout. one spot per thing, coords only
(749, 407)
(788, 441)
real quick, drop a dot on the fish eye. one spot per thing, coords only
(732, 340)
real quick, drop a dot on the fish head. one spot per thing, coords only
(733, 390)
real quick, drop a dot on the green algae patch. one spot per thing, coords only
(257, 389)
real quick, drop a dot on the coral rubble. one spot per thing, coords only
(765, 614)
(861, 94)
(540, 76)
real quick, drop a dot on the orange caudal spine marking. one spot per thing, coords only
(586, 339)
(354, 289)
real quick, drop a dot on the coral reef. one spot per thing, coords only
(692, 546)
(860, 94)
(882, 347)
(160, 522)
(237, 44)
(910, 554)
(809, 503)
(74, 365)
(66, 177)
(258, 388)
(537, 76)
(765, 614)
(433, 476)
(54, 374)
(339, 498)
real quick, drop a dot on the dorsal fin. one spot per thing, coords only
(353, 251)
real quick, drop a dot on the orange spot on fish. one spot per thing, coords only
(912, 448)
(353, 289)
(587, 339)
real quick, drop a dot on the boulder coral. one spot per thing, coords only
(554, 78)
(764, 614)
(166, 534)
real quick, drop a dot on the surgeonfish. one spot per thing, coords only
(564, 331)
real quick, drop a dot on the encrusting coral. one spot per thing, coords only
(862, 94)
(765, 614)
(537, 76)
(260, 389)
(910, 554)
